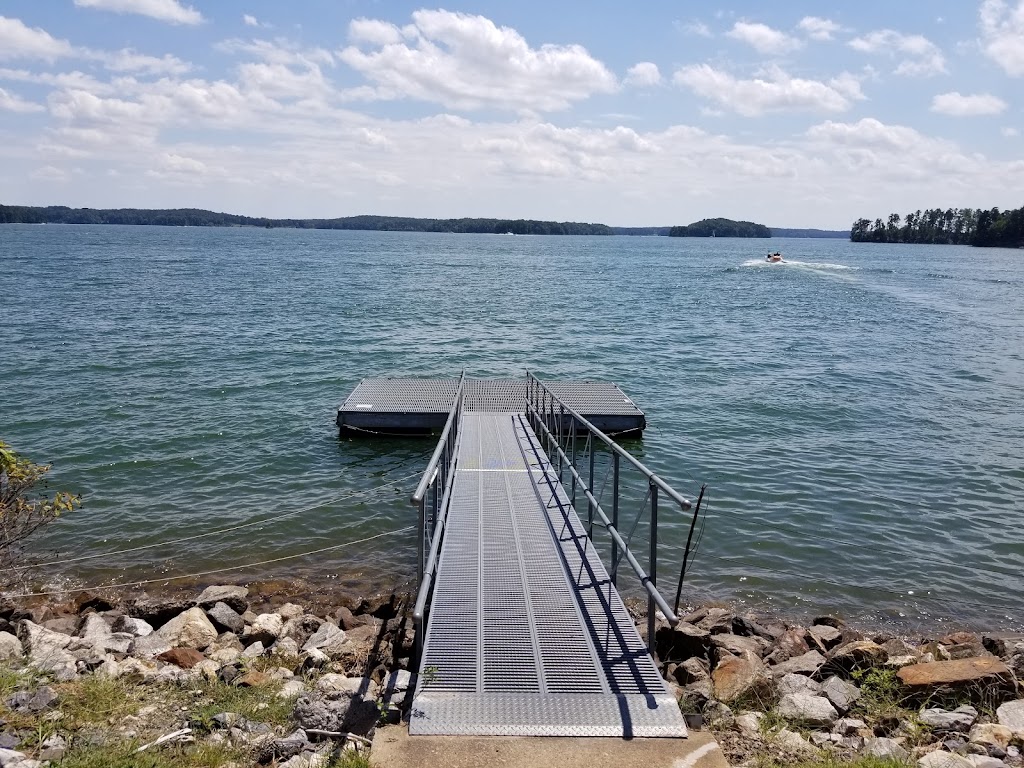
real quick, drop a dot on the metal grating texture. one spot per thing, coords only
(526, 635)
(425, 403)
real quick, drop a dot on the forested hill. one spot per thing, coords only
(721, 228)
(193, 217)
(955, 226)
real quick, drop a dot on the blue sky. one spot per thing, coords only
(662, 113)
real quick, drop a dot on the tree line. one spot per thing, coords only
(955, 226)
(721, 228)
(194, 217)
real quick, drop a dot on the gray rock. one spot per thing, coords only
(39, 642)
(841, 693)
(718, 715)
(793, 683)
(9, 740)
(736, 645)
(157, 611)
(299, 628)
(791, 741)
(53, 748)
(805, 708)
(683, 641)
(290, 689)
(318, 713)
(991, 733)
(33, 702)
(225, 618)
(821, 738)
(148, 646)
(266, 628)
(984, 761)
(691, 671)
(190, 629)
(232, 596)
(253, 651)
(97, 633)
(9, 758)
(749, 724)
(805, 664)
(285, 647)
(885, 748)
(1011, 715)
(10, 647)
(132, 626)
(825, 637)
(848, 726)
(399, 681)
(940, 759)
(327, 639)
(959, 720)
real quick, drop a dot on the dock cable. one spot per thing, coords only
(228, 529)
(239, 567)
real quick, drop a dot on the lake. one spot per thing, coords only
(857, 413)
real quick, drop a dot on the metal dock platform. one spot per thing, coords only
(527, 635)
(423, 405)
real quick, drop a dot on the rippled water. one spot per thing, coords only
(857, 412)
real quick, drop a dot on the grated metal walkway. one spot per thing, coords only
(526, 634)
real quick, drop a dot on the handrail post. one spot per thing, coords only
(615, 515)
(652, 571)
(419, 542)
(590, 486)
(572, 461)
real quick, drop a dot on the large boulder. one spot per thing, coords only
(860, 654)
(793, 683)
(886, 749)
(980, 675)
(265, 628)
(807, 709)
(225, 618)
(790, 644)
(234, 597)
(96, 632)
(1011, 715)
(10, 647)
(190, 629)
(157, 610)
(327, 639)
(806, 664)
(941, 759)
(841, 693)
(738, 676)
(681, 642)
(959, 720)
(47, 650)
(735, 645)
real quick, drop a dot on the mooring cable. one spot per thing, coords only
(239, 567)
(228, 529)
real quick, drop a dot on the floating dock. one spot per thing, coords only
(404, 405)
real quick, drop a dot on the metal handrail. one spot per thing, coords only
(535, 389)
(436, 476)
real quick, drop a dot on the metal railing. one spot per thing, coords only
(437, 483)
(560, 426)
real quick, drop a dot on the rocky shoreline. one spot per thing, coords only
(233, 676)
(781, 693)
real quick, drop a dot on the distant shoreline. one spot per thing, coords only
(196, 217)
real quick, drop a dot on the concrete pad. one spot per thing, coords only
(394, 748)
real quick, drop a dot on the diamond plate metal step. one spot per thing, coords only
(526, 635)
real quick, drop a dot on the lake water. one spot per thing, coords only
(857, 413)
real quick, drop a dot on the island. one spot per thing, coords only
(721, 228)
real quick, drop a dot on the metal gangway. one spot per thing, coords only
(520, 628)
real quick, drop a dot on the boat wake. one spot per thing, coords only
(810, 265)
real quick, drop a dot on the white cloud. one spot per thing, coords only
(644, 74)
(920, 57)
(763, 38)
(1009, 132)
(163, 10)
(958, 105)
(776, 92)
(818, 28)
(127, 60)
(14, 103)
(1002, 32)
(18, 41)
(467, 62)
(250, 21)
(698, 28)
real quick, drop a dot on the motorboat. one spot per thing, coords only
(774, 258)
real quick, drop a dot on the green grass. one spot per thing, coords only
(832, 761)
(351, 760)
(123, 755)
(259, 703)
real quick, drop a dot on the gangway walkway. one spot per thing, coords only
(526, 633)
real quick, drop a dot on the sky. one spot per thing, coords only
(797, 114)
